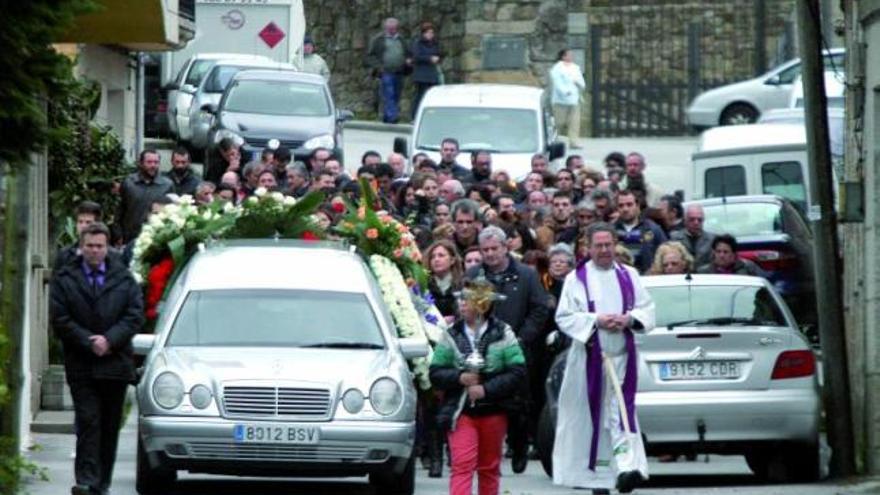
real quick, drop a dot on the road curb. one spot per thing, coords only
(60, 422)
(367, 125)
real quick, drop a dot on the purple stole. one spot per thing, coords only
(595, 376)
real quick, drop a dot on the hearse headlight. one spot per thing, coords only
(168, 390)
(386, 396)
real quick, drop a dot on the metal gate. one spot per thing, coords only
(646, 65)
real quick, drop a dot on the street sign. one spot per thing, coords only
(271, 34)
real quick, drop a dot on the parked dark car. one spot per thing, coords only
(771, 232)
(295, 108)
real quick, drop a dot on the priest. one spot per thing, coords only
(598, 441)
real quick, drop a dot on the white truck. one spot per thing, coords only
(272, 28)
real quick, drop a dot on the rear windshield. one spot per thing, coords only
(278, 98)
(507, 130)
(275, 318)
(704, 302)
(744, 219)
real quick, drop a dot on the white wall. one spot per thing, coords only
(114, 70)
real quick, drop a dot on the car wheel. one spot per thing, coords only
(396, 484)
(759, 464)
(546, 434)
(149, 480)
(739, 113)
(802, 462)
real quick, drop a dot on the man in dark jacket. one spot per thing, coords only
(640, 235)
(87, 213)
(525, 309)
(389, 56)
(138, 193)
(181, 174)
(96, 309)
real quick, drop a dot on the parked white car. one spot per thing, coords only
(512, 122)
(744, 102)
(184, 86)
(835, 88)
(725, 370)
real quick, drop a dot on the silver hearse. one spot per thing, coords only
(276, 358)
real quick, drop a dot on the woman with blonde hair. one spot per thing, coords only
(672, 258)
(446, 280)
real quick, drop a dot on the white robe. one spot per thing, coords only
(574, 428)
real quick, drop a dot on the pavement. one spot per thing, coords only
(712, 475)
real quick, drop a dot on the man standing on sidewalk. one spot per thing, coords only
(388, 57)
(96, 309)
(568, 84)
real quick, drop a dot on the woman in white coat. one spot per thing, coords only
(568, 84)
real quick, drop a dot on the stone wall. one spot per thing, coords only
(471, 31)
(342, 30)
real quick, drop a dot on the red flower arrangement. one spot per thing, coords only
(157, 280)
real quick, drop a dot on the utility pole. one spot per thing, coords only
(828, 267)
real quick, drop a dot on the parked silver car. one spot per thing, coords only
(182, 89)
(211, 90)
(744, 102)
(294, 108)
(276, 358)
(726, 371)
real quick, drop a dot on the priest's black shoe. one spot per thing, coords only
(519, 461)
(628, 480)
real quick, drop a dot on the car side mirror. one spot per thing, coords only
(400, 146)
(344, 115)
(556, 150)
(143, 343)
(413, 347)
(774, 81)
(210, 108)
(188, 88)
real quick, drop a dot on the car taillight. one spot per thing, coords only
(771, 260)
(794, 364)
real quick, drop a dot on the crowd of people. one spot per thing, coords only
(475, 225)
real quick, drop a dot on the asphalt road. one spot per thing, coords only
(721, 475)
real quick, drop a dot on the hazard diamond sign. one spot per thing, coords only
(271, 34)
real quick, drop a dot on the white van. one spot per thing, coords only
(753, 159)
(513, 122)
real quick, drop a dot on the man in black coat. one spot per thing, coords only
(525, 309)
(96, 309)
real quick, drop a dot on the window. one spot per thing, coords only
(725, 181)
(744, 219)
(220, 77)
(507, 130)
(785, 179)
(198, 70)
(277, 98)
(789, 75)
(702, 302)
(274, 318)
